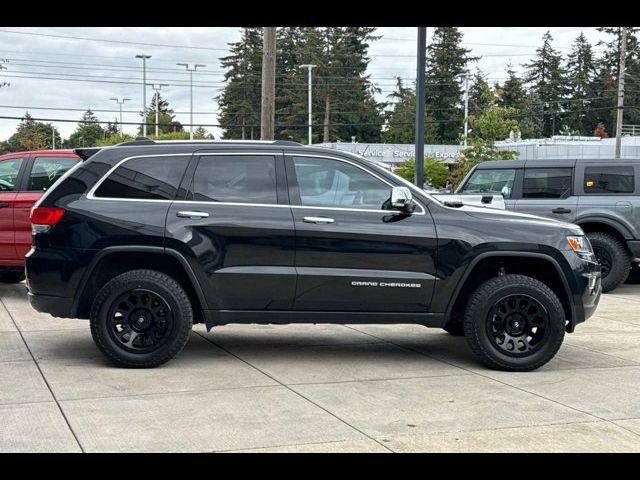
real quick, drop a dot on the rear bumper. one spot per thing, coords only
(56, 306)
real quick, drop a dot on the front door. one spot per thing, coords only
(548, 192)
(9, 177)
(352, 253)
(237, 226)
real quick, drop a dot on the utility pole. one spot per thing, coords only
(623, 56)
(157, 88)
(53, 138)
(191, 70)
(144, 93)
(420, 105)
(120, 102)
(310, 67)
(267, 114)
(466, 107)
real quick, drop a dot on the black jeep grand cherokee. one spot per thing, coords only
(145, 238)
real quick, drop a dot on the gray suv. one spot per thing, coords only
(601, 196)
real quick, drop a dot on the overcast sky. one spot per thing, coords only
(116, 73)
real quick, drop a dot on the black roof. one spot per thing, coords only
(554, 162)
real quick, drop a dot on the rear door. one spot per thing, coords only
(41, 173)
(10, 175)
(235, 225)
(548, 192)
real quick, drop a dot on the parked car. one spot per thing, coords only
(601, 196)
(146, 238)
(24, 177)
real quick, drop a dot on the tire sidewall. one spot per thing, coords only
(556, 327)
(620, 263)
(100, 321)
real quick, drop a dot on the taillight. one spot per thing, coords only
(44, 218)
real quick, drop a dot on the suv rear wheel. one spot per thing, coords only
(613, 258)
(141, 319)
(514, 323)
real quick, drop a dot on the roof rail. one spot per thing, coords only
(147, 141)
(85, 153)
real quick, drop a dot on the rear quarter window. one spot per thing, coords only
(145, 178)
(609, 179)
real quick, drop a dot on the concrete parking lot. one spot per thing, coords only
(317, 388)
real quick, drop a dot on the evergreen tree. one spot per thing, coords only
(581, 74)
(446, 61)
(481, 95)
(547, 79)
(240, 100)
(606, 82)
(527, 107)
(400, 121)
(166, 117)
(112, 128)
(88, 132)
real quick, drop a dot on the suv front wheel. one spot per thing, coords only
(514, 323)
(141, 319)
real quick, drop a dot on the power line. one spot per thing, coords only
(106, 40)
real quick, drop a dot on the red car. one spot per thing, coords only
(24, 177)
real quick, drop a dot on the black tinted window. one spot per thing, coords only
(46, 170)
(605, 179)
(546, 183)
(155, 178)
(331, 183)
(9, 170)
(236, 178)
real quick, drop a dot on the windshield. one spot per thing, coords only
(498, 181)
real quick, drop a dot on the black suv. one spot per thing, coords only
(146, 238)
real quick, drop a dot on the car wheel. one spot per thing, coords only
(613, 259)
(11, 277)
(514, 323)
(141, 319)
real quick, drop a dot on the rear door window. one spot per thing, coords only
(546, 183)
(609, 179)
(145, 178)
(498, 181)
(9, 170)
(47, 170)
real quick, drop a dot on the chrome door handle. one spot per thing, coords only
(318, 220)
(188, 214)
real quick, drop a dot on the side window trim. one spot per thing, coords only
(294, 191)
(91, 192)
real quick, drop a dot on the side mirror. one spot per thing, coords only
(402, 199)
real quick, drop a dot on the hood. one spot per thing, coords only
(524, 218)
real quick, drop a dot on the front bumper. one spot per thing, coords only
(589, 282)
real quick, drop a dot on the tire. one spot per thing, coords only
(141, 319)
(612, 255)
(11, 276)
(497, 304)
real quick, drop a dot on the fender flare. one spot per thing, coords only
(138, 249)
(478, 258)
(609, 221)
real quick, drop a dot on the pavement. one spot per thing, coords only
(317, 388)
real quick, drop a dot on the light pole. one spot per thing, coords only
(191, 70)
(157, 88)
(466, 107)
(144, 92)
(420, 104)
(120, 102)
(309, 66)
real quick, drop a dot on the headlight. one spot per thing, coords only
(581, 245)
